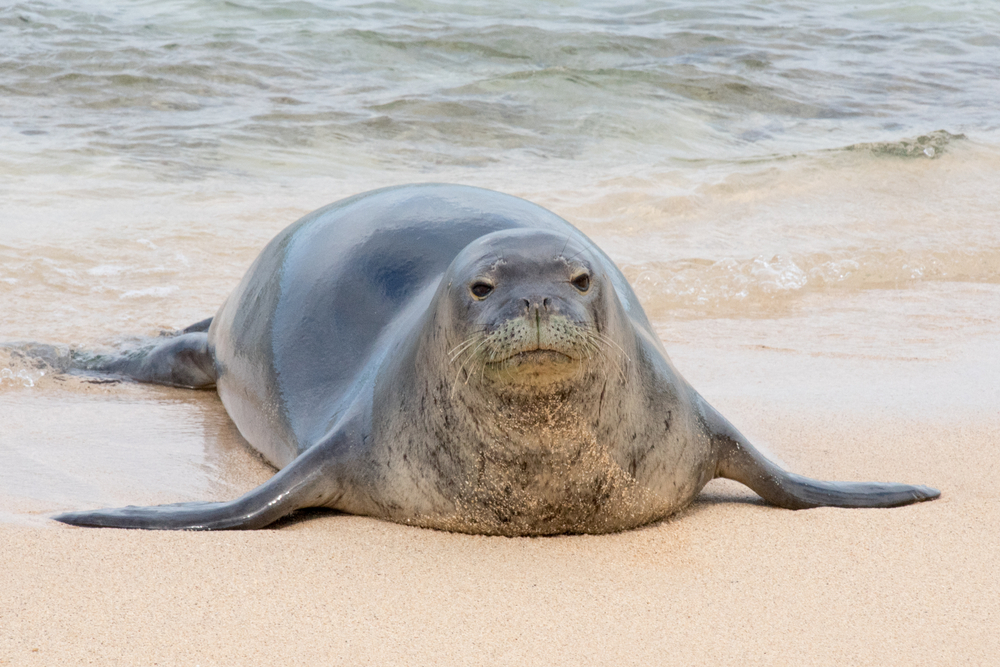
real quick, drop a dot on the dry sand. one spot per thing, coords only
(730, 581)
(727, 582)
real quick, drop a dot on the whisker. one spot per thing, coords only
(607, 344)
(467, 354)
(604, 338)
(472, 355)
(456, 351)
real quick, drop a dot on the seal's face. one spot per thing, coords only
(527, 310)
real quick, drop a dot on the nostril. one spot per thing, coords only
(527, 304)
(545, 303)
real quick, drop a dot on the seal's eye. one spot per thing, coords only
(582, 282)
(481, 289)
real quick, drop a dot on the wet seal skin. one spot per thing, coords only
(454, 358)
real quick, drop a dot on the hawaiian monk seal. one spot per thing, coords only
(455, 358)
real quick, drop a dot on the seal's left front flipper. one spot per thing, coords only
(737, 459)
(312, 480)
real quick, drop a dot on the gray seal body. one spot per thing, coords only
(455, 358)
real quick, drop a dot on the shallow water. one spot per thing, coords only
(803, 195)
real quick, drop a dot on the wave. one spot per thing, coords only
(709, 288)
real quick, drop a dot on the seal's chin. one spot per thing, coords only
(538, 367)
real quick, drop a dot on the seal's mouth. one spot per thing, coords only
(526, 353)
(537, 356)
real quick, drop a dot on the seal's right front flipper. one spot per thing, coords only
(311, 480)
(179, 516)
(737, 459)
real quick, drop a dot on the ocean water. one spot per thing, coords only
(814, 180)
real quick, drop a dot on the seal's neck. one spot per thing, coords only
(511, 421)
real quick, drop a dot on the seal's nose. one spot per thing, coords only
(536, 304)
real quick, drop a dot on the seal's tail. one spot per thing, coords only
(737, 459)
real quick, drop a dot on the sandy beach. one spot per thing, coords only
(804, 197)
(729, 581)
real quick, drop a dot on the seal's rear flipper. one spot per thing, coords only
(199, 327)
(181, 361)
(309, 481)
(737, 459)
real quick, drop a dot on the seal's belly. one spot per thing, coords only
(588, 499)
(604, 456)
(504, 490)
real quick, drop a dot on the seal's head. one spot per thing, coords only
(528, 308)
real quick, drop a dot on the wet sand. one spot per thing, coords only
(728, 581)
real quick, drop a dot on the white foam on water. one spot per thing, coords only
(21, 377)
(157, 292)
(108, 270)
